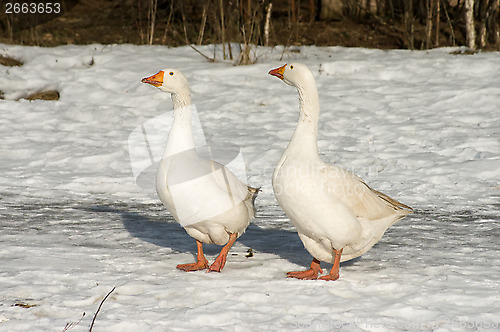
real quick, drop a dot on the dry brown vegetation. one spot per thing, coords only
(387, 24)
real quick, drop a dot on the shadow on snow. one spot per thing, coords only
(162, 230)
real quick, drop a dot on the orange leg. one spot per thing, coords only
(334, 272)
(312, 273)
(201, 262)
(220, 261)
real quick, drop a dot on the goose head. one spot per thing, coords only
(295, 74)
(168, 80)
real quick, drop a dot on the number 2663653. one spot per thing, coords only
(32, 8)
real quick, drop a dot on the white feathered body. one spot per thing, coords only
(205, 197)
(332, 208)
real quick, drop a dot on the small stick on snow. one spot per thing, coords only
(199, 52)
(98, 309)
(71, 325)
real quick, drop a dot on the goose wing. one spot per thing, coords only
(364, 201)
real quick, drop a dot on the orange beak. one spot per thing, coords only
(278, 72)
(155, 80)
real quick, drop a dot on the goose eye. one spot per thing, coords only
(171, 73)
(291, 66)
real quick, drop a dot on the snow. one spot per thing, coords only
(423, 127)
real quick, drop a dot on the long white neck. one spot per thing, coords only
(180, 137)
(304, 139)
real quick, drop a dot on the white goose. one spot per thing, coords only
(337, 215)
(204, 196)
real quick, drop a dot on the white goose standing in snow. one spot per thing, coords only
(337, 215)
(204, 196)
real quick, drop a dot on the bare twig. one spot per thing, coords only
(98, 309)
(451, 25)
(203, 22)
(428, 24)
(250, 33)
(267, 24)
(168, 21)
(152, 19)
(438, 14)
(139, 21)
(495, 27)
(200, 53)
(287, 45)
(73, 324)
(409, 26)
(223, 29)
(184, 25)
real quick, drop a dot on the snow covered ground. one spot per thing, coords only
(423, 127)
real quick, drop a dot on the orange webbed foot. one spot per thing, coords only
(304, 275)
(310, 274)
(190, 267)
(329, 277)
(201, 261)
(334, 273)
(220, 261)
(217, 265)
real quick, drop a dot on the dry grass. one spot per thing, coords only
(44, 95)
(9, 62)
